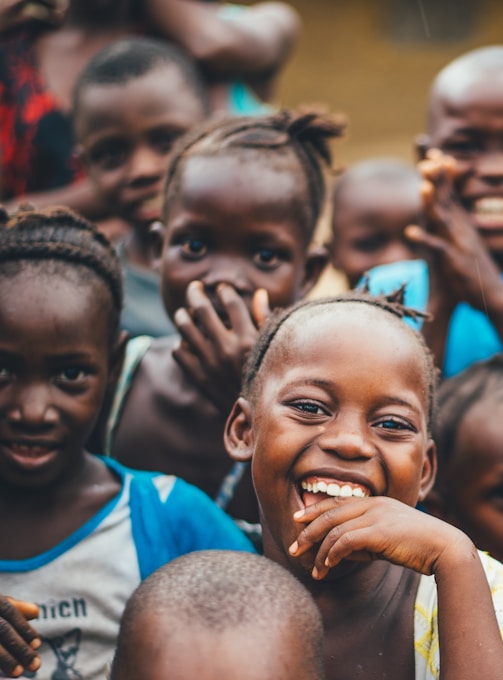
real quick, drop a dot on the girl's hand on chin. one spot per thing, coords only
(374, 528)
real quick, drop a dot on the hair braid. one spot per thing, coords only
(307, 133)
(60, 234)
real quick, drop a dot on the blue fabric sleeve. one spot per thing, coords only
(185, 521)
(197, 523)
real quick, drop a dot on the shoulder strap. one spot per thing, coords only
(135, 351)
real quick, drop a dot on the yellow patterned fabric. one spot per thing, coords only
(426, 620)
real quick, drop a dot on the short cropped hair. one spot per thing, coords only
(132, 58)
(221, 590)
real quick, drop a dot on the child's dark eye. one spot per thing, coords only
(308, 407)
(266, 257)
(5, 373)
(461, 148)
(370, 245)
(108, 156)
(72, 374)
(194, 247)
(163, 140)
(393, 424)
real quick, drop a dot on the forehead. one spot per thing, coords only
(378, 194)
(472, 98)
(351, 345)
(68, 301)
(160, 95)
(241, 184)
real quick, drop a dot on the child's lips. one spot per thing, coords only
(314, 489)
(29, 454)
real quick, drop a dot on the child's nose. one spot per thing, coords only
(145, 164)
(33, 407)
(490, 167)
(227, 270)
(346, 441)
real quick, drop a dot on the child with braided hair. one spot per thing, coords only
(78, 532)
(335, 416)
(242, 200)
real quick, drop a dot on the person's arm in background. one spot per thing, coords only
(252, 46)
(18, 13)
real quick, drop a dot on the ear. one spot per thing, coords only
(422, 145)
(238, 435)
(316, 261)
(157, 233)
(117, 359)
(429, 470)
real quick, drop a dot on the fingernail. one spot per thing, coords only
(315, 573)
(327, 563)
(180, 316)
(35, 664)
(35, 643)
(299, 514)
(293, 548)
(195, 285)
(17, 671)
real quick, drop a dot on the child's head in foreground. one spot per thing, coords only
(220, 615)
(373, 202)
(243, 198)
(465, 120)
(337, 401)
(468, 491)
(60, 302)
(131, 102)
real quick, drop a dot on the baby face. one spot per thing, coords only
(368, 224)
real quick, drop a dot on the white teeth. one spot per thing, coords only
(489, 205)
(333, 489)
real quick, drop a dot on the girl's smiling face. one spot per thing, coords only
(235, 221)
(55, 351)
(339, 409)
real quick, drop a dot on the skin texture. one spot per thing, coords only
(126, 133)
(332, 404)
(469, 491)
(248, 652)
(462, 237)
(50, 395)
(368, 223)
(232, 230)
